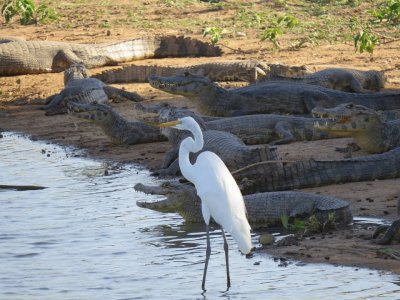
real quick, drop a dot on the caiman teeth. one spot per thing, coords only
(324, 123)
(343, 119)
(161, 84)
(320, 115)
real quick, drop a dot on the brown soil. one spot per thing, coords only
(22, 96)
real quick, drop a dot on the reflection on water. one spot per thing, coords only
(84, 238)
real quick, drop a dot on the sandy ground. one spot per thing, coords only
(22, 96)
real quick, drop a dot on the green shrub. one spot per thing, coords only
(364, 41)
(277, 28)
(214, 32)
(296, 224)
(27, 12)
(389, 11)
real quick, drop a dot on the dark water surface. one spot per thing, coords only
(83, 237)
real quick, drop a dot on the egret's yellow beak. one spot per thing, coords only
(170, 124)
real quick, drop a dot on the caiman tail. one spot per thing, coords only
(158, 47)
(270, 176)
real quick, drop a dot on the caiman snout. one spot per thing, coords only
(168, 204)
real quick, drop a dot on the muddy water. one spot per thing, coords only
(83, 237)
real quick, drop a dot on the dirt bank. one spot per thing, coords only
(22, 96)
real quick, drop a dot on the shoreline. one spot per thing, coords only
(348, 247)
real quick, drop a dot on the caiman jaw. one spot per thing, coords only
(163, 205)
(166, 85)
(327, 122)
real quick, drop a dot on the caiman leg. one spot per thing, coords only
(356, 86)
(49, 99)
(313, 99)
(121, 95)
(284, 133)
(169, 157)
(391, 232)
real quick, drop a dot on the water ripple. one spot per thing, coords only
(84, 238)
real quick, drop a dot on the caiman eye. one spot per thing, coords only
(186, 73)
(350, 105)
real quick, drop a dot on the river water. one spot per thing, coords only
(83, 237)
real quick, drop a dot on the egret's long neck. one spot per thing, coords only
(190, 145)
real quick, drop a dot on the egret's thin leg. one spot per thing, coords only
(208, 252)
(228, 278)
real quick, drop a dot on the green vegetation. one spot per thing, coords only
(313, 225)
(388, 11)
(177, 3)
(282, 24)
(296, 224)
(27, 12)
(277, 27)
(214, 32)
(24, 8)
(365, 41)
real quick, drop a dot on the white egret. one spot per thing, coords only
(219, 193)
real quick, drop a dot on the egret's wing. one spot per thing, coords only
(219, 191)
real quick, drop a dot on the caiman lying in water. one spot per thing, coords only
(263, 209)
(365, 125)
(266, 97)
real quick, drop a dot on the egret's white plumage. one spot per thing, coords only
(222, 199)
(219, 193)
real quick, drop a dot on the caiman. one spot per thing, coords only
(80, 88)
(391, 233)
(275, 176)
(266, 97)
(263, 209)
(239, 70)
(227, 146)
(116, 128)
(347, 80)
(30, 57)
(365, 125)
(270, 129)
(121, 131)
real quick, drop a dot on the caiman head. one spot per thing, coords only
(75, 71)
(93, 112)
(375, 80)
(179, 198)
(184, 85)
(346, 120)
(287, 70)
(173, 113)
